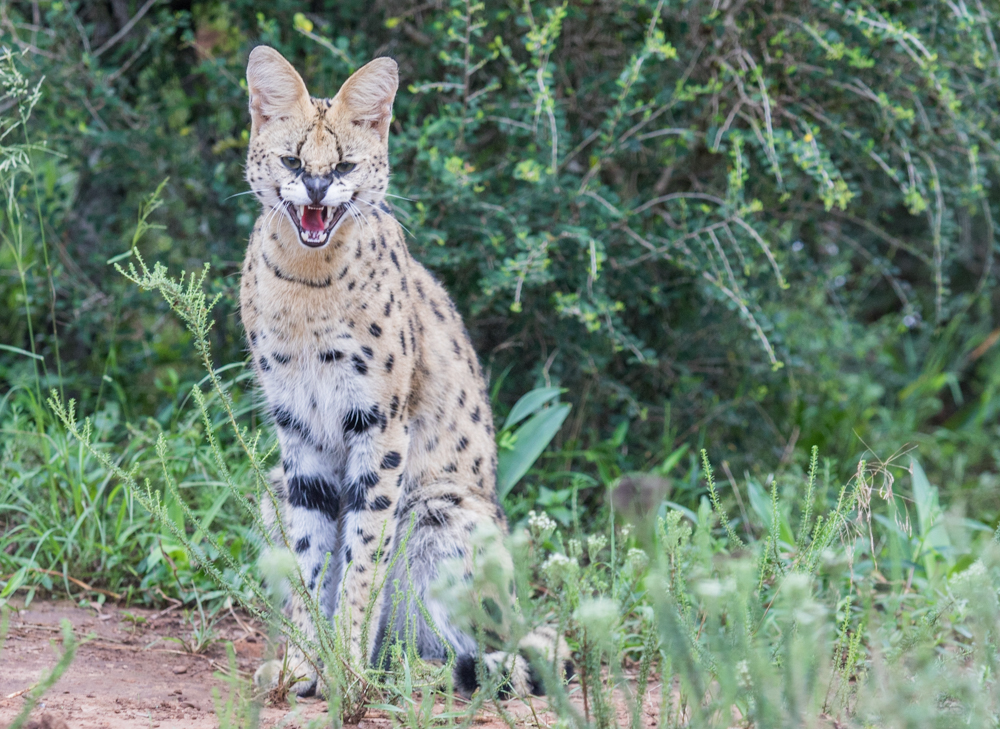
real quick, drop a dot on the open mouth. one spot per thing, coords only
(315, 222)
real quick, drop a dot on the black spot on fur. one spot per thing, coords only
(461, 399)
(394, 406)
(466, 678)
(381, 503)
(493, 610)
(332, 356)
(349, 555)
(351, 285)
(284, 419)
(356, 499)
(367, 351)
(391, 460)
(535, 683)
(359, 365)
(281, 358)
(475, 466)
(265, 365)
(463, 443)
(402, 341)
(475, 415)
(358, 421)
(316, 493)
(456, 348)
(451, 467)
(375, 329)
(395, 259)
(302, 545)
(434, 518)
(343, 272)
(367, 480)
(388, 308)
(389, 363)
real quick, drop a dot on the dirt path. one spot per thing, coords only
(132, 674)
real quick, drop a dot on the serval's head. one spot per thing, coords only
(317, 160)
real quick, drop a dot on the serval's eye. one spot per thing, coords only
(292, 163)
(345, 167)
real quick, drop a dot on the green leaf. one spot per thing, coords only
(26, 353)
(671, 461)
(925, 496)
(16, 580)
(530, 403)
(529, 442)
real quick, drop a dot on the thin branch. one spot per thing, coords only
(125, 29)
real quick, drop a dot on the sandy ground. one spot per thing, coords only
(130, 674)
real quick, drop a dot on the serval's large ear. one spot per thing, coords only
(276, 89)
(367, 95)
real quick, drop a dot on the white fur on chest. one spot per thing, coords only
(318, 393)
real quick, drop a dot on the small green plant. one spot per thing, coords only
(415, 705)
(239, 709)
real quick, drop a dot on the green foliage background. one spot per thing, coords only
(750, 227)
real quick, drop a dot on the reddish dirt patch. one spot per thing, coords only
(130, 674)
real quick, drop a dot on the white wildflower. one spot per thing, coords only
(595, 543)
(559, 568)
(574, 548)
(743, 675)
(540, 526)
(637, 560)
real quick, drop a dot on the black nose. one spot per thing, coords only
(316, 187)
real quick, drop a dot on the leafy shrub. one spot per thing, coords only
(751, 225)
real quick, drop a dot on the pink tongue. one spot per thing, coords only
(312, 219)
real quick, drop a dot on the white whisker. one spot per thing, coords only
(387, 194)
(237, 194)
(397, 219)
(268, 218)
(355, 209)
(271, 215)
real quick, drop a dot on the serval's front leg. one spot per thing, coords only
(312, 506)
(377, 446)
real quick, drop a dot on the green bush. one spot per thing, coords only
(749, 226)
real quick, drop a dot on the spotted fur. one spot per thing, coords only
(366, 367)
